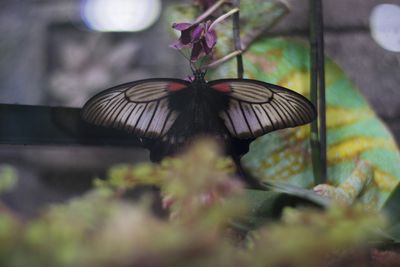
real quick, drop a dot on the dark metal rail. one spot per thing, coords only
(41, 125)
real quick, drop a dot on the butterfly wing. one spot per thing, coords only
(140, 107)
(256, 108)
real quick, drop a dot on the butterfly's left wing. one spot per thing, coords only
(140, 107)
(256, 108)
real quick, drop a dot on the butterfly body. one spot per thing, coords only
(167, 113)
(199, 107)
(197, 119)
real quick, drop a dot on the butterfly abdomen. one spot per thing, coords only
(199, 107)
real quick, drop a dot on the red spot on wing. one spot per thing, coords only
(173, 87)
(222, 87)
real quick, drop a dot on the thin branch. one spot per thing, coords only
(224, 16)
(209, 11)
(253, 35)
(245, 43)
(223, 59)
(236, 39)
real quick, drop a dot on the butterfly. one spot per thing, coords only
(166, 113)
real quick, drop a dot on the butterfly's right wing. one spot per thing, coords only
(140, 107)
(256, 108)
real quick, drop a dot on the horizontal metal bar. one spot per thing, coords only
(42, 125)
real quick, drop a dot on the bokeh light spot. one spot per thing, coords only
(120, 15)
(385, 26)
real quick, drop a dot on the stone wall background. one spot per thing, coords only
(47, 57)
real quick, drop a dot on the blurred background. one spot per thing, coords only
(60, 52)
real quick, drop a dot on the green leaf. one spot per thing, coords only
(296, 191)
(393, 233)
(391, 208)
(268, 205)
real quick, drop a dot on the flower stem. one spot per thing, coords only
(224, 16)
(223, 59)
(251, 36)
(209, 11)
(236, 39)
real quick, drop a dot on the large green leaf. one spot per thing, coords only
(267, 205)
(392, 206)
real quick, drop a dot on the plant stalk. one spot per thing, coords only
(209, 11)
(224, 16)
(236, 39)
(317, 82)
(223, 59)
(321, 91)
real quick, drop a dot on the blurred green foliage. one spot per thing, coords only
(8, 178)
(203, 199)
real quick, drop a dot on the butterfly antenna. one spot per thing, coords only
(192, 67)
(186, 57)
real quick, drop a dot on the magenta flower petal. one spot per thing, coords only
(196, 51)
(207, 50)
(185, 38)
(177, 45)
(190, 78)
(211, 38)
(196, 36)
(197, 33)
(182, 26)
(186, 30)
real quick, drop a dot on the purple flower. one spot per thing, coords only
(197, 36)
(186, 34)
